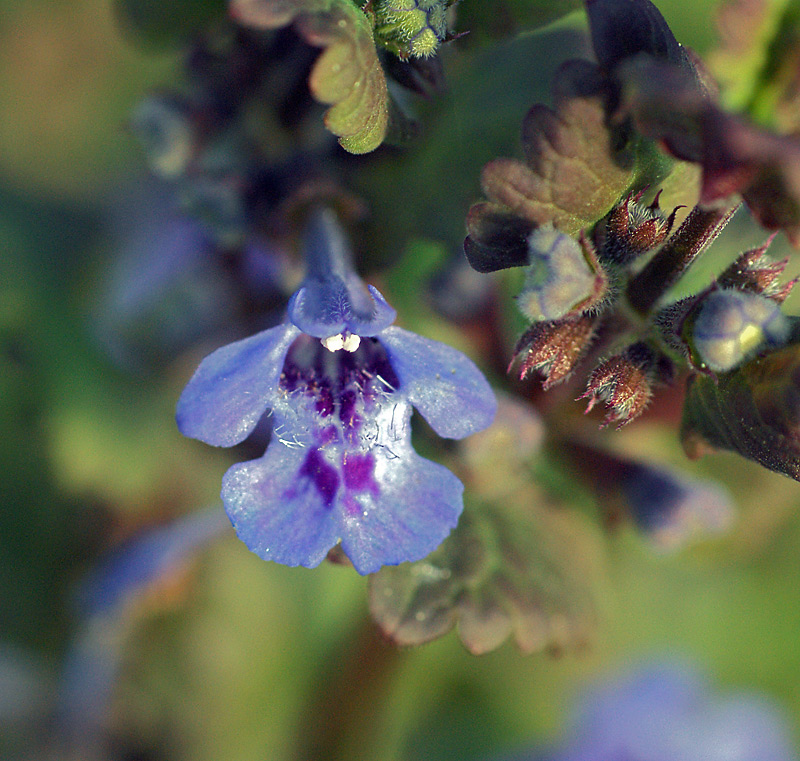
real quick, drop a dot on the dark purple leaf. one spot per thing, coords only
(623, 28)
(736, 156)
(753, 411)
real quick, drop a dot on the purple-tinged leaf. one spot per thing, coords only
(736, 156)
(572, 176)
(496, 238)
(753, 411)
(623, 28)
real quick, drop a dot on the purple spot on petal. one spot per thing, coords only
(348, 403)
(324, 403)
(358, 470)
(322, 475)
(327, 435)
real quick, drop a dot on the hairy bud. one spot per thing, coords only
(411, 28)
(554, 348)
(625, 383)
(754, 272)
(634, 228)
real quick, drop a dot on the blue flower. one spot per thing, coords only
(340, 382)
(559, 279)
(732, 325)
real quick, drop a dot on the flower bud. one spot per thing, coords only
(634, 228)
(562, 278)
(165, 131)
(554, 348)
(732, 325)
(670, 508)
(411, 28)
(625, 383)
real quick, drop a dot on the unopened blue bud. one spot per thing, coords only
(732, 325)
(558, 279)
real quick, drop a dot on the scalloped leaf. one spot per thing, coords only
(573, 174)
(347, 75)
(514, 567)
(753, 411)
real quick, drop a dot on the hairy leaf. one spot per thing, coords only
(515, 566)
(347, 76)
(573, 174)
(753, 411)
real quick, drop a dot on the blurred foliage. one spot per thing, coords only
(160, 24)
(237, 659)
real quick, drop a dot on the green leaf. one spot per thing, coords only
(347, 76)
(504, 18)
(515, 566)
(753, 411)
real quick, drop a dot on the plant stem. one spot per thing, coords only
(343, 706)
(668, 264)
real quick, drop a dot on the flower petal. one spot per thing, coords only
(233, 387)
(323, 308)
(277, 512)
(333, 298)
(384, 503)
(415, 507)
(442, 383)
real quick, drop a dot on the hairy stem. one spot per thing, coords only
(665, 268)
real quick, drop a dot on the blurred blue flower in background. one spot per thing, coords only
(671, 508)
(340, 382)
(668, 712)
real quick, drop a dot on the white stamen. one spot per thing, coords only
(351, 342)
(346, 341)
(333, 343)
